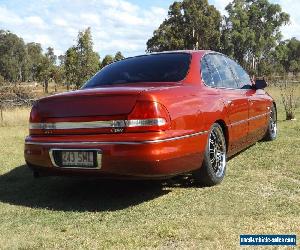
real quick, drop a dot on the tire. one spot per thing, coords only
(271, 132)
(213, 168)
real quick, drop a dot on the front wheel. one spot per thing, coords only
(271, 133)
(213, 167)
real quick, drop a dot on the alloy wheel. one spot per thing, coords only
(273, 124)
(217, 151)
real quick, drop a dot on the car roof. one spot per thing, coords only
(202, 52)
(181, 51)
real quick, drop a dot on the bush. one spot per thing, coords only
(290, 99)
(15, 95)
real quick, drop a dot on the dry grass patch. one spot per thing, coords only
(15, 117)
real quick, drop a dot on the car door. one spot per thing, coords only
(257, 120)
(258, 117)
(235, 100)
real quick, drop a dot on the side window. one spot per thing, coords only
(206, 75)
(210, 74)
(244, 81)
(228, 80)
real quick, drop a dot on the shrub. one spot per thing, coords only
(290, 99)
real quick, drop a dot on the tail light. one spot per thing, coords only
(35, 120)
(147, 116)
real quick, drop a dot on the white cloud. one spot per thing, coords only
(43, 39)
(60, 22)
(90, 18)
(35, 21)
(9, 17)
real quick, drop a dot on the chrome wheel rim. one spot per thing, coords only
(273, 124)
(217, 151)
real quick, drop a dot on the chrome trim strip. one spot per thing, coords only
(117, 142)
(98, 152)
(78, 125)
(249, 119)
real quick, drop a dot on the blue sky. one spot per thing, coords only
(117, 25)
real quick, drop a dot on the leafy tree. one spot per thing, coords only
(13, 56)
(293, 55)
(80, 61)
(87, 59)
(191, 24)
(71, 66)
(285, 57)
(251, 31)
(46, 67)
(108, 59)
(34, 57)
(118, 56)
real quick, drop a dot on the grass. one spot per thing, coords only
(15, 117)
(260, 195)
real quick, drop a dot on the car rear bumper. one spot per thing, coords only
(158, 158)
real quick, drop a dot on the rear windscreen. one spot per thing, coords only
(165, 67)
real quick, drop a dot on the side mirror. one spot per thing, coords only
(260, 84)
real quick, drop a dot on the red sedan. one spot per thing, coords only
(152, 116)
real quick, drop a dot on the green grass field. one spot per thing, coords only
(260, 195)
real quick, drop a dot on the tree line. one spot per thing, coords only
(249, 33)
(26, 62)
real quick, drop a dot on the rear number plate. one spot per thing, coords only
(78, 159)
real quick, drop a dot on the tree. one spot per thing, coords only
(293, 56)
(108, 59)
(46, 67)
(80, 61)
(251, 31)
(34, 57)
(285, 57)
(87, 59)
(13, 56)
(71, 66)
(118, 56)
(191, 24)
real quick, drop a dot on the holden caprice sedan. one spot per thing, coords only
(152, 116)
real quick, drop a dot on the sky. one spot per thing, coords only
(117, 25)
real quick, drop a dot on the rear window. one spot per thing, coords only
(167, 67)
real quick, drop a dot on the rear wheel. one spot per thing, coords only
(271, 133)
(213, 167)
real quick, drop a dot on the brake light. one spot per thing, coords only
(34, 121)
(147, 116)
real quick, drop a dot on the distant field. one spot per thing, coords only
(260, 195)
